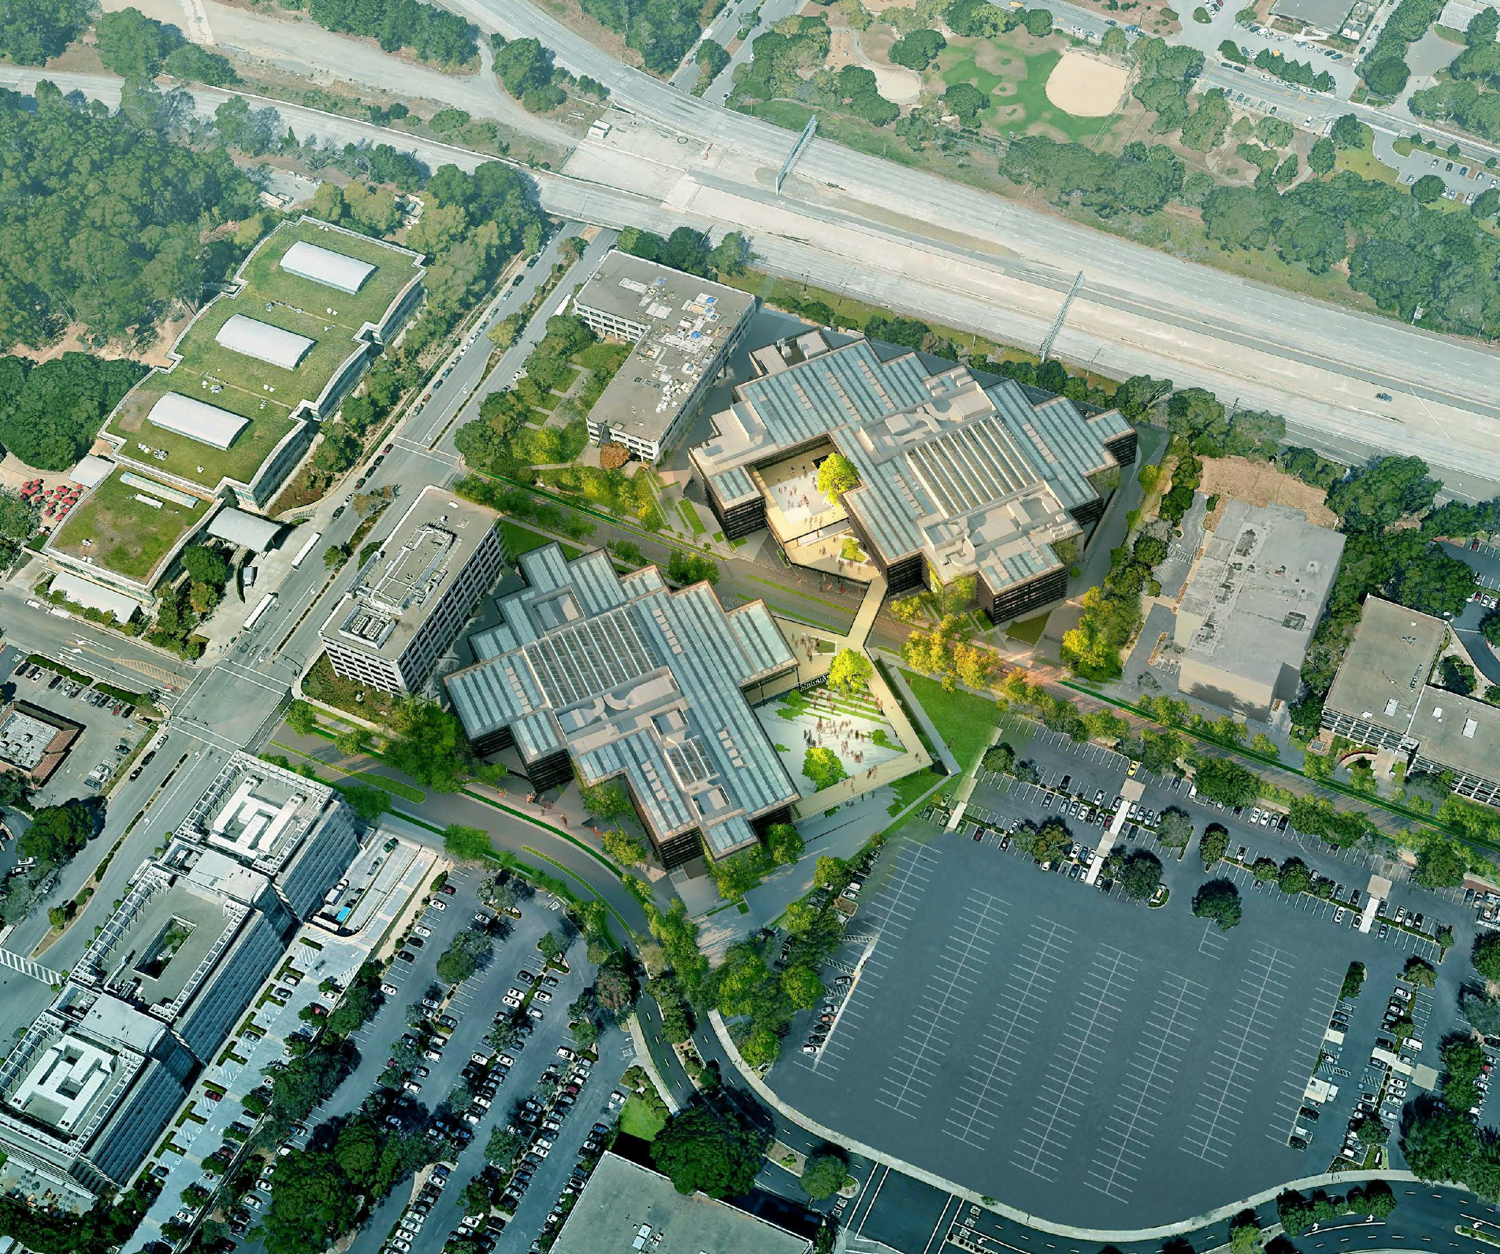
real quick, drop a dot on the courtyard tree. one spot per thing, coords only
(1218, 900)
(836, 476)
(1485, 955)
(823, 767)
(849, 672)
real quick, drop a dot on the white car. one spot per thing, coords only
(400, 1246)
(513, 1002)
(423, 932)
(390, 990)
(439, 905)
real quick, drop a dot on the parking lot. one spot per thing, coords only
(1078, 1041)
(106, 740)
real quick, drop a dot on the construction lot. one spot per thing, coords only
(1096, 1061)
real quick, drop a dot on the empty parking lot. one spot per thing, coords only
(1080, 1056)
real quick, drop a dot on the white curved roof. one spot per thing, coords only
(323, 265)
(208, 424)
(246, 530)
(86, 592)
(263, 341)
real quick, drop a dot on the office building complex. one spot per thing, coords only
(294, 831)
(683, 329)
(85, 1093)
(1381, 699)
(1251, 605)
(958, 474)
(414, 597)
(626, 1207)
(627, 679)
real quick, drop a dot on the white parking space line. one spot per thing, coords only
(1027, 993)
(1148, 1087)
(913, 1062)
(1212, 943)
(1063, 1094)
(1248, 1030)
(1305, 1059)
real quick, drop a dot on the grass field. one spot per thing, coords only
(1012, 70)
(263, 393)
(125, 535)
(964, 720)
(1029, 631)
(638, 1119)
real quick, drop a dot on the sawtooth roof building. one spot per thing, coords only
(415, 595)
(1381, 698)
(958, 474)
(625, 678)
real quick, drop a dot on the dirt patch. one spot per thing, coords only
(897, 84)
(74, 340)
(1086, 86)
(1261, 484)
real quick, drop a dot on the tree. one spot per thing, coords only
(205, 564)
(1212, 844)
(1294, 876)
(1038, 22)
(803, 986)
(1440, 864)
(615, 984)
(849, 672)
(823, 767)
(783, 843)
(1323, 156)
(1420, 972)
(1427, 189)
(1047, 842)
(1457, 675)
(824, 1172)
(917, 49)
(836, 476)
(469, 844)
(1354, 981)
(367, 801)
(1141, 875)
(1175, 828)
(301, 718)
(1486, 955)
(1480, 1010)
(624, 848)
(1387, 78)
(712, 1151)
(1226, 781)
(58, 832)
(429, 745)
(466, 953)
(832, 873)
(967, 102)
(1218, 900)
(1348, 132)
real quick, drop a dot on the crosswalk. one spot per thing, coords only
(17, 962)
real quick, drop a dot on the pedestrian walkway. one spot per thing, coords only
(868, 609)
(16, 962)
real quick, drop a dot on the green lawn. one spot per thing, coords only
(909, 787)
(1028, 631)
(519, 539)
(126, 536)
(964, 720)
(263, 393)
(638, 1119)
(690, 516)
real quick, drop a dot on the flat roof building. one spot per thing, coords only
(1381, 698)
(85, 1092)
(415, 595)
(626, 1207)
(627, 679)
(34, 741)
(295, 831)
(1251, 605)
(959, 474)
(1379, 683)
(683, 328)
(196, 934)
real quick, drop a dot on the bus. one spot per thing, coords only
(260, 610)
(306, 549)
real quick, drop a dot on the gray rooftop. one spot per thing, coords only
(626, 1207)
(975, 475)
(1255, 597)
(1457, 732)
(417, 562)
(256, 812)
(1381, 678)
(682, 321)
(631, 678)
